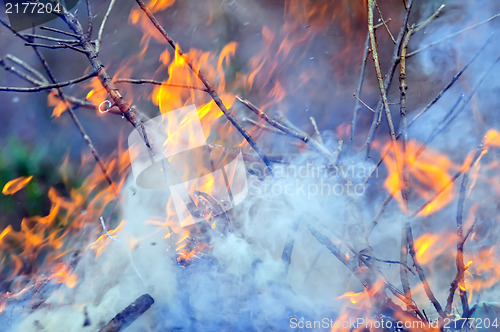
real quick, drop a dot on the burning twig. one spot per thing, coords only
(148, 81)
(434, 101)
(132, 263)
(210, 90)
(460, 246)
(128, 315)
(476, 156)
(407, 236)
(422, 277)
(368, 277)
(459, 275)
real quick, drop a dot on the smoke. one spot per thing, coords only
(241, 282)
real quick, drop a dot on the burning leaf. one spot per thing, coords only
(13, 186)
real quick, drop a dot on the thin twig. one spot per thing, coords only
(263, 126)
(407, 236)
(285, 129)
(422, 277)
(388, 77)
(378, 70)
(358, 91)
(317, 134)
(363, 103)
(460, 246)
(59, 46)
(60, 31)
(77, 122)
(277, 159)
(103, 23)
(383, 22)
(456, 281)
(59, 40)
(20, 73)
(148, 81)
(126, 110)
(89, 16)
(49, 86)
(210, 90)
(452, 35)
(27, 68)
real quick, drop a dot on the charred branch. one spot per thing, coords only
(128, 315)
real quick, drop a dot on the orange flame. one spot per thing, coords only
(59, 105)
(13, 186)
(428, 174)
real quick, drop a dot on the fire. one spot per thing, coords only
(59, 105)
(353, 297)
(39, 249)
(13, 186)
(430, 246)
(492, 138)
(104, 239)
(428, 175)
(63, 274)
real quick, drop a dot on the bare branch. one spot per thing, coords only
(49, 86)
(59, 40)
(378, 70)
(210, 90)
(27, 68)
(20, 73)
(453, 35)
(61, 32)
(388, 77)
(383, 22)
(77, 123)
(363, 103)
(103, 23)
(148, 81)
(293, 133)
(358, 91)
(434, 101)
